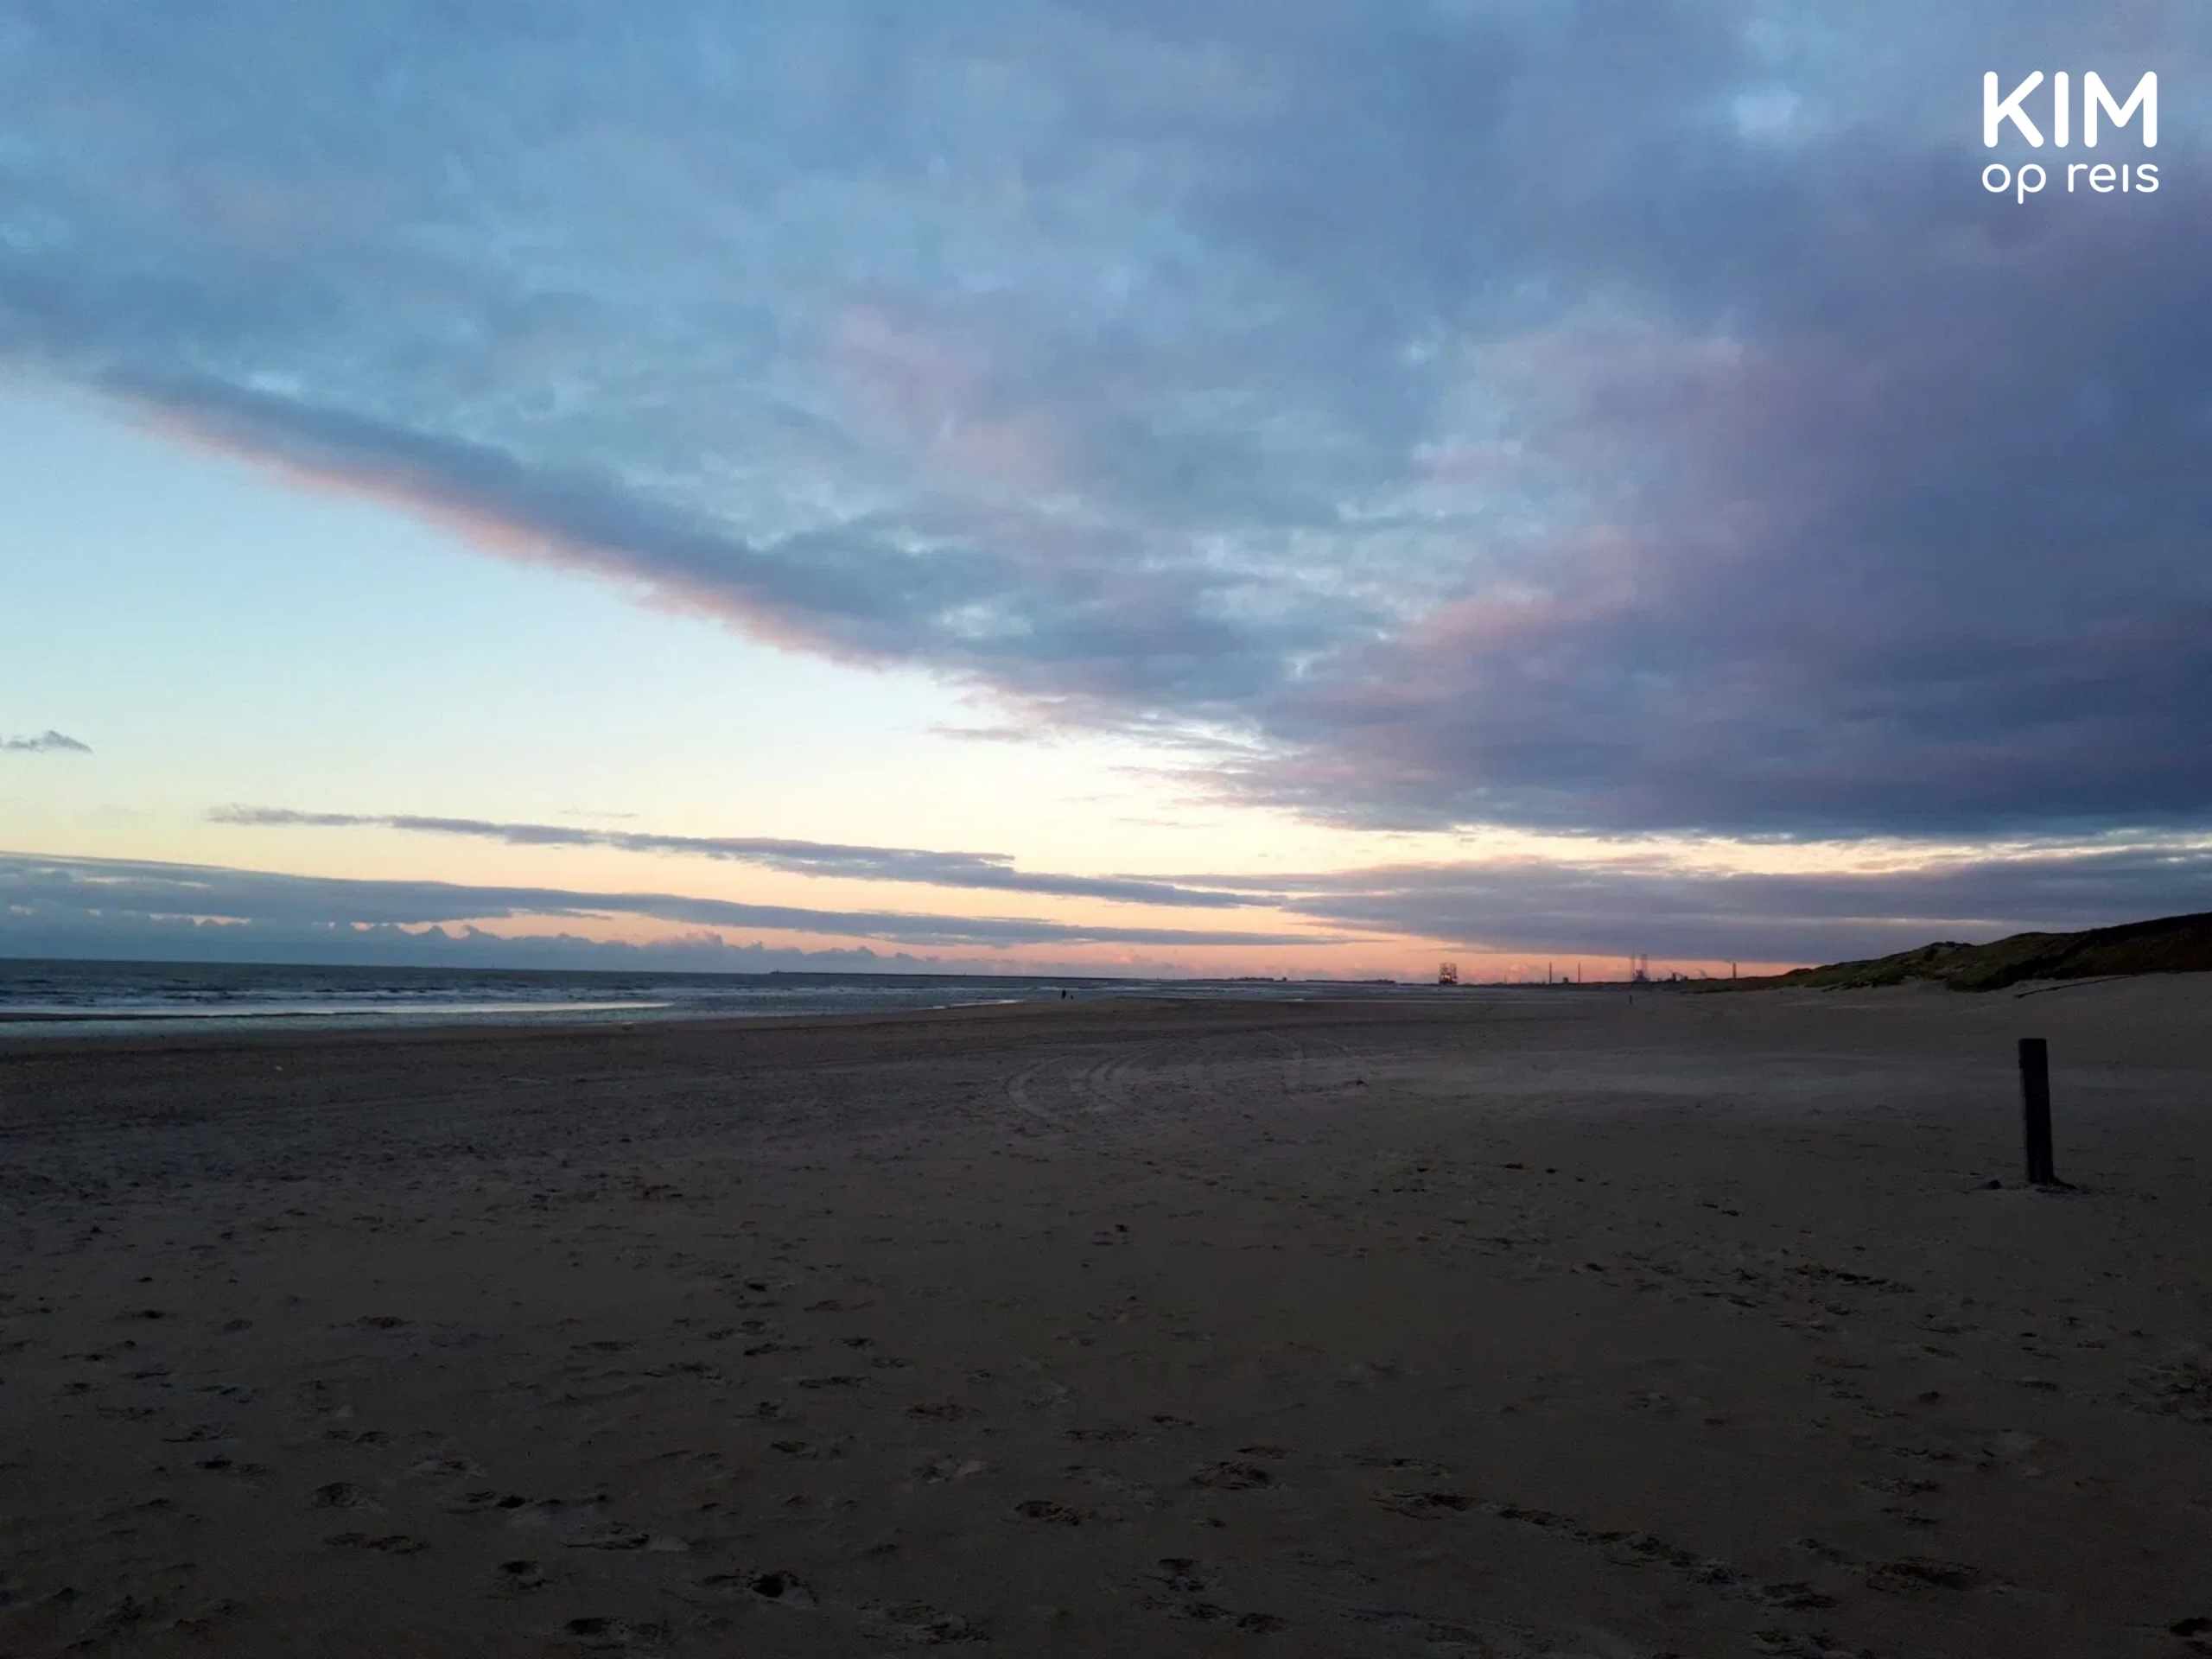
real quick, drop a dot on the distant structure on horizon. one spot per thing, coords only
(1448, 974)
(1639, 970)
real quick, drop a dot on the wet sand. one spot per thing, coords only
(1541, 1324)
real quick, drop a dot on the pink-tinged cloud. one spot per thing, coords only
(1058, 615)
(929, 396)
(470, 515)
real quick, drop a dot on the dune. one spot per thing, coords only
(2165, 945)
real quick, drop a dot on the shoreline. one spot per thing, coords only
(289, 1026)
(220, 1031)
(575, 1017)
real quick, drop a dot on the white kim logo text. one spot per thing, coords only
(1999, 107)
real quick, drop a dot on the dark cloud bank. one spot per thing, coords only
(1601, 906)
(43, 897)
(987, 871)
(1617, 907)
(74, 906)
(148, 939)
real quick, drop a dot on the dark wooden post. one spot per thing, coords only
(2035, 1109)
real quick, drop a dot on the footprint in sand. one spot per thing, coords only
(615, 1535)
(785, 1588)
(522, 1577)
(1187, 1587)
(1043, 1509)
(1412, 1466)
(598, 1633)
(209, 1621)
(451, 1468)
(918, 1624)
(1180, 1575)
(943, 1468)
(1911, 1573)
(1904, 1516)
(809, 1449)
(395, 1543)
(1424, 1506)
(1232, 1476)
(219, 1465)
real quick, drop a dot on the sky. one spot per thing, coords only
(1114, 486)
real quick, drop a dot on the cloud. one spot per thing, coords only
(125, 938)
(47, 742)
(1320, 377)
(1678, 907)
(988, 871)
(1671, 906)
(37, 891)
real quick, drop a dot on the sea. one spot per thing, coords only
(89, 998)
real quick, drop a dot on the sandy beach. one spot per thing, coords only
(1526, 1325)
